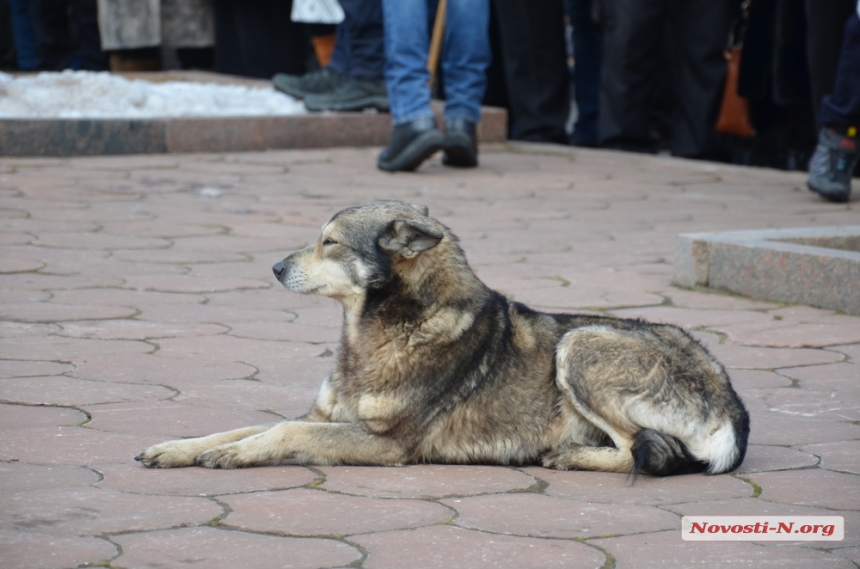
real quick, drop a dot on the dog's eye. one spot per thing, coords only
(329, 242)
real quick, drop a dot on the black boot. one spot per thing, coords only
(461, 146)
(410, 144)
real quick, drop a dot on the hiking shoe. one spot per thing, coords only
(410, 144)
(460, 144)
(354, 94)
(832, 164)
(314, 83)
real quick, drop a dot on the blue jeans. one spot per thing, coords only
(842, 106)
(26, 48)
(358, 48)
(464, 59)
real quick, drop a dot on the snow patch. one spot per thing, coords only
(92, 95)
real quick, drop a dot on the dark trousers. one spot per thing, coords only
(633, 35)
(359, 48)
(842, 106)
(825, 20)
(257, 38)
(67, 34)
(587, 54)
(536, 91)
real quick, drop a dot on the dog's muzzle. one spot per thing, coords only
(280, 270)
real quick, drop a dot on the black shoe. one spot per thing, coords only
(354, 94)
(461, 146)
(314, 83)
(410, 145)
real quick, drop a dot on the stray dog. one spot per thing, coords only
(436, 367)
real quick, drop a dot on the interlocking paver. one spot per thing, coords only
(138, 304)
(219, 549)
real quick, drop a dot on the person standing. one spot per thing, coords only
(836, 154)
(464, 59)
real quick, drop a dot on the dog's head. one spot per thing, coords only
(360, 249)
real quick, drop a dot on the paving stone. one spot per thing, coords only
(289, 332)
(60, 349)
(20, 477)
(810, 488)
(303, 512)
(137, 329)
(837, 377)
(852, 553)
(852, 351)
(217, 548)
(290, 401)
(188, 284)
(666, 550)
(696, 318)
(231, 349)
(814, 404)
(533, 515)
(606, 487)
(27, 550)
(20, 296)
(99, 241)
(92, 511)
(146, 368)
(424, 481)
(745, 380)
(21, 368)
(123, 297)
(14, 329)
(52, 312)
(441, 547)
(225, 315)
(763, 458)
(170, 419)
(843, 456)
(133, 478)
(804, 335)
(68, 445)
(27, 416)
(767, 428)
(61, 390)
(749, 357)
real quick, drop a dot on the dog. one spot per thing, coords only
(434, 367)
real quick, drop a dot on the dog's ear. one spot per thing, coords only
(422, 209)
(408, 238)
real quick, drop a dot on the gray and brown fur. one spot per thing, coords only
(436, 367)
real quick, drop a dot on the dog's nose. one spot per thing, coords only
(279, 269)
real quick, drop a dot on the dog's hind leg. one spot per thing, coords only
(184, 452)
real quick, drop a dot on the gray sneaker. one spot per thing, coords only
(832, 164)
(354, 94)
(314, 83)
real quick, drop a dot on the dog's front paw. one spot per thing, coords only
(172, 454)
(557, 459)
(223, 456)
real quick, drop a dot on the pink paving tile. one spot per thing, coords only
(763, 458)
(99, 241)
(240, 245)
(70, 446)
(250, 395)
(786, 335)
(52, 312)
(20, 477)
(61, 390)
(299, 373)
(817, 488)
(212, 314)
(842, 456)
(424, 481)
(231, 349)
(22, 296)
(137, 329)
(64, 349)
(714, 300)
(20, 266)
(134, 478)
(852, 553)
(666, 550)
(92, 511)
(291, 332)
(21, 368)
(815, 404)
(444, 547)
(534, 515)
(189, 284)
(123, 297)
(605, 487)
(172, 420)
(749, 379)
(837, 377)
(274, 298)
(749, 357)
(26, 550)
(146, 368)
(767, 428)
(303, 512)
(26, 416)
(217, 549)
(852, 351)
(158, 229)
(9, 329)
(696, 318)
(171, 256)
